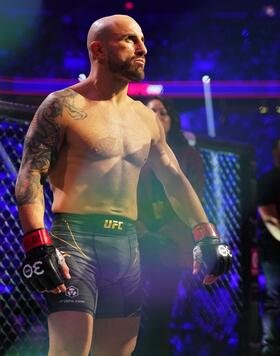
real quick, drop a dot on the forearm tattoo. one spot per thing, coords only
(29, 190)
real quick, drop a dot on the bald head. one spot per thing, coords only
(102, 27)
(113, 44)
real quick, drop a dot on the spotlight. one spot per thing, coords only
(269, 10)
(82, 77)
(277, 109)
(128, 5)
(208, 105)
(206, 79)
(154, 89)
(263, 109)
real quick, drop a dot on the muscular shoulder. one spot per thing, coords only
(58, 97)
(59, 105)
(150, 119)
(52, 105)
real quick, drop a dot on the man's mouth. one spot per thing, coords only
(140, 61)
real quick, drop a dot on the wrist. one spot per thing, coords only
(202, 231)
(36, 238)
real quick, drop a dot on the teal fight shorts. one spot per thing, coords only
(103, 258)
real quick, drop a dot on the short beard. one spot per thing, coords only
(127, 70)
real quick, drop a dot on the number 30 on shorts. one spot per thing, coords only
(36, 268)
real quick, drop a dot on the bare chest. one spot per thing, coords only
(102, 137)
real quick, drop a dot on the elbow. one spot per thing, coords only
(18, 189)
(20, 193)
(174, 178)
(28, 189)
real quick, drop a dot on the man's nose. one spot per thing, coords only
(141, 49)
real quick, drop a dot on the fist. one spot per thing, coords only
(44, 266)
(216, 257)
(41, 268)
(210, 252)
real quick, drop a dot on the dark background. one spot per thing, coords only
(227, 40)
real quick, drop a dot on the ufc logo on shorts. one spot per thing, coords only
(36, 268)
(224, 251)
(113, 224)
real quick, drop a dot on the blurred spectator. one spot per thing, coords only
(269, 210)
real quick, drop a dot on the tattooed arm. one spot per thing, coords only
(41, 148)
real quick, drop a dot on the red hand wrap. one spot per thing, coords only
(36, 238)
(202, 230)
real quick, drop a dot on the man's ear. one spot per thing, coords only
(97, 51)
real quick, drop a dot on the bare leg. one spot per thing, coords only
(70, 333)
(115, 336)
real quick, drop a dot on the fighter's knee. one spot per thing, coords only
(66, 351)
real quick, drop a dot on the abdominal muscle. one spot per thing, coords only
(99, 187)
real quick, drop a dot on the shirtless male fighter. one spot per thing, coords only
(91, 141)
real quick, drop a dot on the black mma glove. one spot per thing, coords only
(209, 251)
(41, 267)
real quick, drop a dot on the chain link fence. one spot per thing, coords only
(23, 311)
(210, 320)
